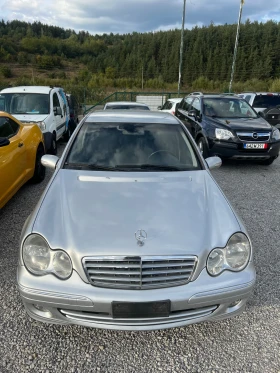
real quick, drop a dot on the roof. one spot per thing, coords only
(132, 117)
(132, 103)
(175, 99)
(27, 89)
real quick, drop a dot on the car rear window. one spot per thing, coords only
(265, 101)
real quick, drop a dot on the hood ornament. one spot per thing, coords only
(141, 237)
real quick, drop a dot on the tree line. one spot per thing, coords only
(122, 61)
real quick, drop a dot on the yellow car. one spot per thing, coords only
(21, 149)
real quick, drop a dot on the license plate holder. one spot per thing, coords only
(255, 146)
(133, 310)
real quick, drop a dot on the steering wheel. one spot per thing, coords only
(161, 151)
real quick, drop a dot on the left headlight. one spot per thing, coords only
(222, 134)
(234, 257)
(276, 134)
(40, 260)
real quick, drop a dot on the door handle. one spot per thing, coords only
(20, 144)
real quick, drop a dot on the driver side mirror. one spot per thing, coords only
(213, 162)
(57, 110)
(192, 113)
(4, 141)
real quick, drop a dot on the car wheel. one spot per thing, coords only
(201, 143)
(268, 161)
(67, 134)
(39, 170)
(53, 148)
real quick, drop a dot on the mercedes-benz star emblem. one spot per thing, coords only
(255, 135)
(140, 236)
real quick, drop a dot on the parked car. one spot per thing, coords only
(170, 105)
(266, 104)
(21, 149)
(160, 247)
(228, 127)
(45, 106)
(125, 105)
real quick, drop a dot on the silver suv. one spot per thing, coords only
(266, 103)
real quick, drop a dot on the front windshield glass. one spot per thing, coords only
(132, 147)
(26, 103)
(221, 107)
(126, 107)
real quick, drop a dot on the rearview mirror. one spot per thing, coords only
(213, 162)
(4, 141)
(57, 110)
(49, 161)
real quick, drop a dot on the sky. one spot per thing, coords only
(126, 16)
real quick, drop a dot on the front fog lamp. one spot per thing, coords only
(234, 257)
(40, 260)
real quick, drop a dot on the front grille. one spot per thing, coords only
(138, 273)
(254, 136)
(106, 318)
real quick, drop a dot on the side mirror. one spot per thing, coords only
(192, 113)
(213, 162)
(49, 161)
(4, 141)
(57, 110)
(159, 107)
(261, 114)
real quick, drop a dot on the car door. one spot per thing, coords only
(12, 159)
(59, 115)
(194, 117)
(182, 111)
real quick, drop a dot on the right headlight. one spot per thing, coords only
(234, 257)
(42, 126)
(222, 134)
(276, 134)
(40, 260)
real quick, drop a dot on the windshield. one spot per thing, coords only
(130, 147)
(26, 103)
(227, 108)
(265, 101)
(126, 107)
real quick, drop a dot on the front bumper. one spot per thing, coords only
(75, 302)
(234, 150)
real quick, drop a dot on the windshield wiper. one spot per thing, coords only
(94, 167)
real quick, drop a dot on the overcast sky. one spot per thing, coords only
(125, 16)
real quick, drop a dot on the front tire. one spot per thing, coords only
(39, 170)
(201, 143)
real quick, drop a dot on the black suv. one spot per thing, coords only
(227, 126)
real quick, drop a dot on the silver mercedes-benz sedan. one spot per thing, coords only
(133, 232)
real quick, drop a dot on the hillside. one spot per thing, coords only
(41, 54)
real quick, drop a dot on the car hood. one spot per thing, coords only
(98, 213)
(26, 118)
(244, 123)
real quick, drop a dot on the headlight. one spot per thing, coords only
(40, 260)
(223, 134)
(234, 257)
(41, 125)
(276, 134)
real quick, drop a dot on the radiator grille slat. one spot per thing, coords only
(139, 272)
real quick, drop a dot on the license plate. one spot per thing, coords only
(255, 146)
(130, 310)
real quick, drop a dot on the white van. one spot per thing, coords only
(46, 106)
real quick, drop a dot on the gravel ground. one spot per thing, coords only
(247, 343)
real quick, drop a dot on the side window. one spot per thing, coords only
(247, 98)
(196, 106)
(187, 103)
(165, 106)
(55, 100)
(8, 128)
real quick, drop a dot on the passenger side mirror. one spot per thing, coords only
(4, 141)
(159, 107)
(49, 161)
(261, 114)
(57, 110)
(213, 162)
(192, 113)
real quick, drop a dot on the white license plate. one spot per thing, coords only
(255, 146)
